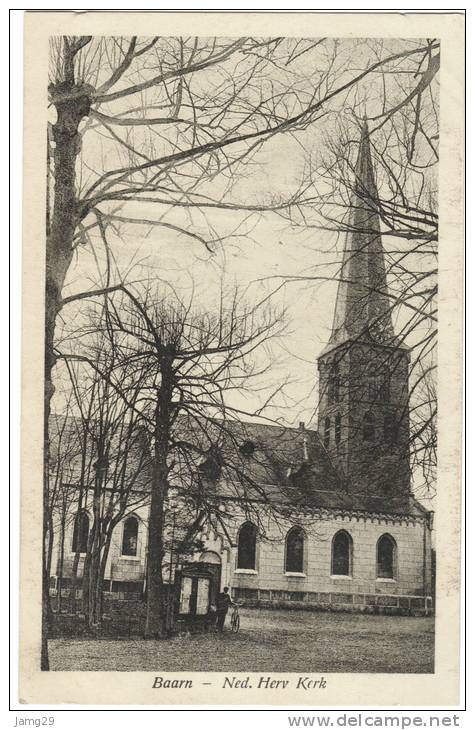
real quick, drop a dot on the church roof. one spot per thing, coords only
(74, 462)
(273, 455)
(249, 461)
(289, 466)
(363, 308)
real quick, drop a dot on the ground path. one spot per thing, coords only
(273, 641)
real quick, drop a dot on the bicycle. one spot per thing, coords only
(235, 620)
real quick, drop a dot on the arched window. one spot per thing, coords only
(386, 557)
(247, 541)
(342, 548)
(368, 427)
(335, 382)
(337, 429)
(373, 384)
(130, 536)
(385, 388)
(326, 432)
(390, 429)
(378, 386)
(294, 550)
(80, 532)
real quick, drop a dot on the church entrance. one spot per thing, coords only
(213, 563)
(197, 585)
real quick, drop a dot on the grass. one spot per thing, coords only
(296, 641)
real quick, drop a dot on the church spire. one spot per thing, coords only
(362, 309)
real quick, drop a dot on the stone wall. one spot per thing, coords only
(412, 574)
(127, 568)
(119, 568)
(315, 586)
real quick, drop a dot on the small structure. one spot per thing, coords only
(196, 591)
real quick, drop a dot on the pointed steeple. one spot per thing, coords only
(362, 309)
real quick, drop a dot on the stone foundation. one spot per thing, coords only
(386, 604)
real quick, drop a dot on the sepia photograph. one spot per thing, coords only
(239, 417)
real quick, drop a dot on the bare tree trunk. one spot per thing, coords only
(96, 580)
(92, 561)
(154, 624)
(45, 603)
(46, 600)
(86, 576)
(49, 556)
(74, 580)
(99, 601)
(59, 581)
(82, 501)
(155, 619)
(94, 587)
(102, 563)
(59, 252)
(90, 575)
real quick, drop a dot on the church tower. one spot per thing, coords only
(363, 408)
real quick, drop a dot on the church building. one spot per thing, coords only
(332, 523)
(357, 537)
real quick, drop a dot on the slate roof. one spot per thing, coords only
(66, 455)
(290, 466)
(259, 462)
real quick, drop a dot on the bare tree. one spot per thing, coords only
(116, 452)
(175, 368)
(66, 448)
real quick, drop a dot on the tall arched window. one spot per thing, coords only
(390, 429)
(385, 388)
(326, 432)
(368, 427)
(373, 384)
(294, 550)
(337, 428)
(386, 557)
(378, 386)
(80, 532)
(342, 549)
(130, 536)
(334, 390)
(247, 542)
